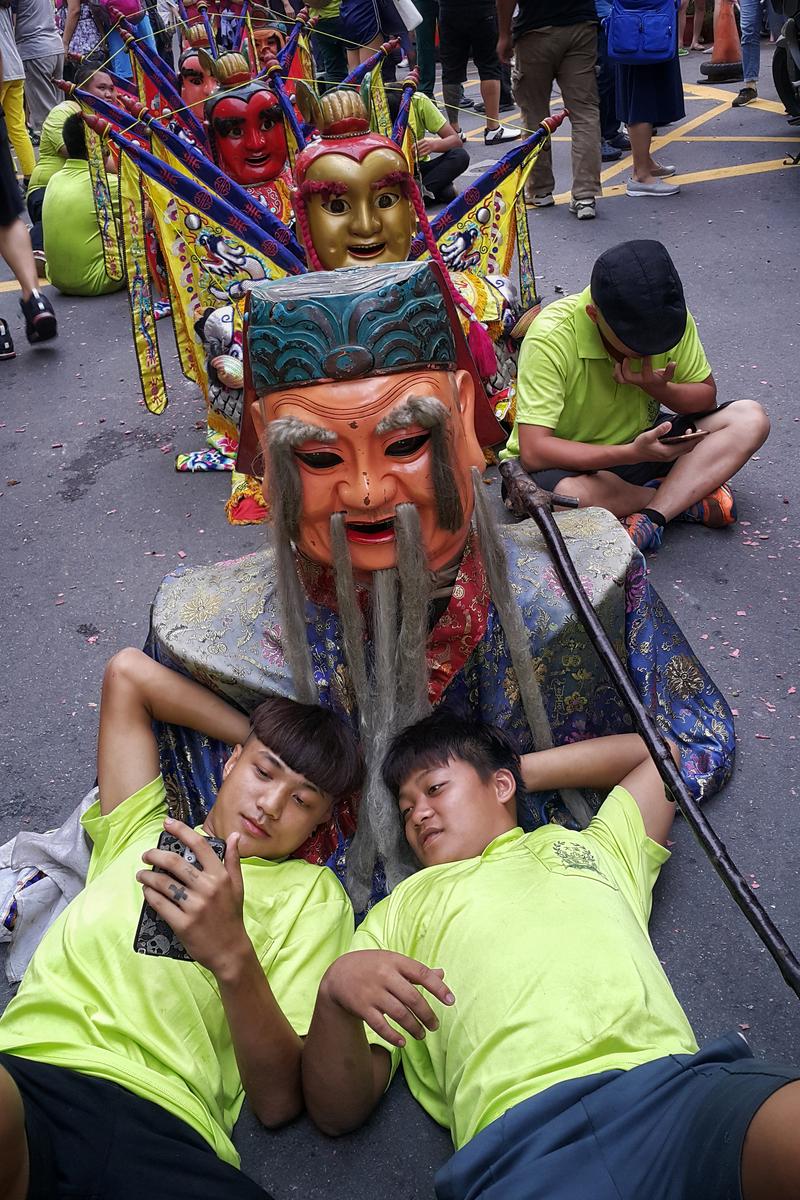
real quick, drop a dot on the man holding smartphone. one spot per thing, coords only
(615, 398)
(122, 1074)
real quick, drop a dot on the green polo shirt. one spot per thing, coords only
(565, 379)
(424, 118)
(72, 243)
(544, 943)
(51, 143)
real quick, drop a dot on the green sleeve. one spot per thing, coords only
(691, 364)
(320, 933)
(636, 860)
(541, 384)
(111, 834)
(433, 119)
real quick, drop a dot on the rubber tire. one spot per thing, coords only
(784, 74)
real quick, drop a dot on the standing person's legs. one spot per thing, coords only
(426, 45)
(534, 69)
(12, 101)
(697, 27)
(454, 48)
(578, 81)
(120, 62)
(606, 89)
(751, 42)
(41, 92)
(641, 135)
(329, 51)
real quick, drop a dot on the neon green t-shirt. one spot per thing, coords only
(157, 1026)
(565, 379)
(51, 142)
(424, 118)
(72, 243)
(328, 11)
(544, 943)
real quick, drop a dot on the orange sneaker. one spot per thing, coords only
(643, 532)
(716, 510)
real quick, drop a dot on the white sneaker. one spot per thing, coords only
(544, 201)
(496, 137)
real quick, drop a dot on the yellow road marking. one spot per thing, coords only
(665, 139)
(690, 177)
(723, 137)
(10, 285)
(698, 90)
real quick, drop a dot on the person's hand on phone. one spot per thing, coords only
(375, 984)
(203, 907)
(648, 447)
(650, 381)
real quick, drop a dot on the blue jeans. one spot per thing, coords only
(751, 40)
(143, 32)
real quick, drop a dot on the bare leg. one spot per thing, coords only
(490, 94)
(606, 490)
(365, 52)
(15, 248)
(699, 19)
(736, 433)
(682, 22)
(771, 1152)
(13, 1143)
(641, 136)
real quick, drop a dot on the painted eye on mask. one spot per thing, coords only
(319, 460)
(387, 200)
(268, 119)
(335, 205)
(405, 447)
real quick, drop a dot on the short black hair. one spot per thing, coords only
(313, 741)
(82, 72)
(443, 737)
(74, 135)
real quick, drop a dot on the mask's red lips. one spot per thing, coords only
(371, 251)
(370, 532)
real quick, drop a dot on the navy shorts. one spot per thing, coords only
(364, 20)
(636, 473)
(672, 1129)
(92, 1140)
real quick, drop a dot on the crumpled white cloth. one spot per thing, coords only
(63, 856)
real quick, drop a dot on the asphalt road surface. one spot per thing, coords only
(93, 515)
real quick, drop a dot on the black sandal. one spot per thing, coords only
(40, 319)
(6, 341)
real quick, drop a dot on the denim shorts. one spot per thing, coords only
(672, 1129)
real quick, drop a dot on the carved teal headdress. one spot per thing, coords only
(346, 324)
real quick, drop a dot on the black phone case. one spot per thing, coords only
(153, 934)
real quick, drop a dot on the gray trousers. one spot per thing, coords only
(41, 93)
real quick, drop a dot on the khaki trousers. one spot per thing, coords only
(567, 54)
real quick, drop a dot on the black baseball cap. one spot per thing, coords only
(637, 289)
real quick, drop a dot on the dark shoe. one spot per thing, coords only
(446, 194)
(6, 342)
(620, 140)
(505, 106)
(609, 153)
(746, 96)
(40, 319)
(466, 102)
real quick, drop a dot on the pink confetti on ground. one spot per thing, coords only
(740, 612)
(91, 640)
(181, 554)
(734, 653)
(791, 691)
(764, 737)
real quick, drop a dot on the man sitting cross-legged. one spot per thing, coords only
(605, 376)
(122, 1074)
(527, 1004)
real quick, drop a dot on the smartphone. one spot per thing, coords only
(153, 934)
(694, 435)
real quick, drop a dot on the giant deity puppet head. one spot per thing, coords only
(371, 414)
(245, 125)
(354, 196)
(196, 77)
(367, 400)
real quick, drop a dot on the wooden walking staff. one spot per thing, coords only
(524, 498)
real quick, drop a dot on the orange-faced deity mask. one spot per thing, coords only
(364, 406)
(196, 83)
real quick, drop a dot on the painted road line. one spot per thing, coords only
(691, 177)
